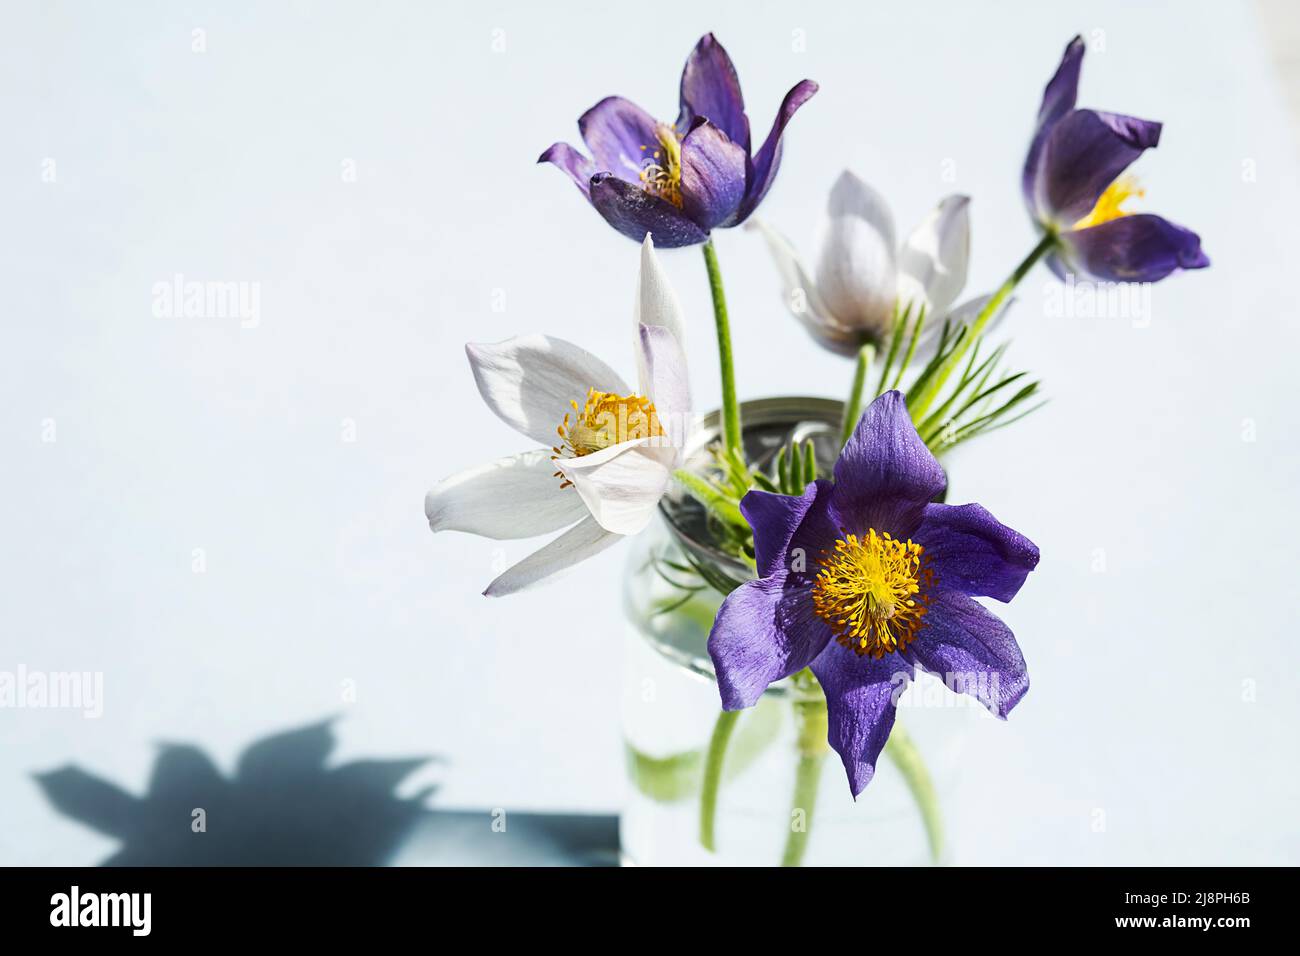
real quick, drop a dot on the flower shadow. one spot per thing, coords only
(284, 806)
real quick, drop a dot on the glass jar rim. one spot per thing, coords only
(767, 424)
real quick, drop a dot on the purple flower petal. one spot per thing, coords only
(711, 89)
(579, 167)
(775, 519)
(861, 694)
(1058, 99)
(1138, 248)
(767, 160)
(1062, 90)
(713, 175)
(615, 130)
(764, 632)
(972, 552)
(1083, 154)
(974, 653)
(885, 475)
(634, 212)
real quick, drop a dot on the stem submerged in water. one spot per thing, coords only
(713, 776)
(726, 364)
(907, 759)
(810, 726)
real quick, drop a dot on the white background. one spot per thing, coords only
(177, 434)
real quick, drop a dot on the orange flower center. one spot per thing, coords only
(869, 589)
(661, 172)
(602, 421)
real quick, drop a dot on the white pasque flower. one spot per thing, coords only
(612, 450)
(863, 274)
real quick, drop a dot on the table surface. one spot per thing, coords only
(371, 168)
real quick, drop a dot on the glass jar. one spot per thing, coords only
(783, 797)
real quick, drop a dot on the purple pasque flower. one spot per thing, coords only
(1075, 185)
(864, 579)
(678, 180)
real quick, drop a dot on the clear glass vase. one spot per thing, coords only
(783, 797)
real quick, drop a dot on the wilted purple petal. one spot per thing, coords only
(971, 650)
(579, 167)
(972, 552)
(885, 475)
(713, 175)
(1058, 99)
(634, 212)
(767, 160)
(1083, 154)
(861, 694)
(618, 134)
(711, 89)
(1138, 248)
(764, 632)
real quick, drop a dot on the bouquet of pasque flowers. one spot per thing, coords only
(859, 573)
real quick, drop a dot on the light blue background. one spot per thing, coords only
(176, 434)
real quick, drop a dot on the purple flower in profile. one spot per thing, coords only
(678, 180)
(1075, 186)
(864, 579)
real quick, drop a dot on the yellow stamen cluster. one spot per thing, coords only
(1110, 203)
(661, 171)
(605, 419)
(869, 589)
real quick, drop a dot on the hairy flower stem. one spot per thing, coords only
(902, 751)
(713, 776)
(730, 408)
(810, 723)
(920, 403)
(853, 409)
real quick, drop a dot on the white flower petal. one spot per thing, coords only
(515, 497)
(584, 540)
(801, 295)
(656, 302)
(530, 380)
(621, 485)
(932, 263)
(667, 383)
(856, 273)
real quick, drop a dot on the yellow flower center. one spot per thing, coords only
(1110, 203)
(661, 171)
(869, 590)
(604, 420)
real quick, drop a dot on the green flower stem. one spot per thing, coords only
(810, 717)
(853, 409)
(713, 776)
(709, 496)
(919, 403)
(907, 759)
(730, 408)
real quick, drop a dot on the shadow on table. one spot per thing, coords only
(284, 807)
